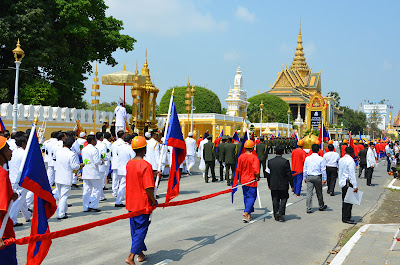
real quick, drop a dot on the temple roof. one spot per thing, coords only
(299, 61)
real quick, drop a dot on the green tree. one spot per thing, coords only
(205, 100)
(354, 121)
(372, 123)
(60, 39)
(38, 93)
(275, 109)
(335, 96)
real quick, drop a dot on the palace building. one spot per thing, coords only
(301, 89)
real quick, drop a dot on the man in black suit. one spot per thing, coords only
(362, 156)
(279, 176)
(261, 151)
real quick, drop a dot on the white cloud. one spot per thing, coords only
(244, 14)
(163, 17)
(231, 56)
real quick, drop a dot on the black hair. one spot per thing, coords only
(279, 150)
(330, 147)
(60, 136)
(127, 138)
(349, 150)
(20, 140)
(6, 134)
(140, 150)
(315, 148)
(209, 137)
(90, 138)
(262, 138)
(134, 135)
(54, 134)
(120, 134)
(365, 145)
(99, 135)
(107, 135)
(12, 135)
(68, 141)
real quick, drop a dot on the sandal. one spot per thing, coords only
(145, 257)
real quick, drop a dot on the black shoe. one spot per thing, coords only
(18, 224)
(328, 192)
(323, 208)
(214, 180)
(369, 184)
(30, 210)
(206, 179)
(75, 186)
(157, 197)
(93, 210)
(281, 218)
(65, 217)
(69, 205)
(276, 217)
(120, 205)
(102, 200)
(228, 184)
(309, 211)
(352, 222)
(105, 188)
(332, 194)
(221, 179)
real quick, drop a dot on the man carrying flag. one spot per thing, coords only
(139, 195)
(174, 138)
(8, 255)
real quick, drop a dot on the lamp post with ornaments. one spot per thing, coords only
(19, 54)
(288, 120)
(261, 110)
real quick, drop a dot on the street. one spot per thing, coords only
(210, 231)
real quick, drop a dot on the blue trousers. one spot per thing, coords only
(388, 164)
(297, 181)
(139, 227)
(8, 255)
(249, 197)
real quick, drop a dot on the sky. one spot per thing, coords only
(355, 43)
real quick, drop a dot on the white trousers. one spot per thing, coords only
(115, 182)
(103, 178)
(121, 189)
(20, 205)
(91, 193)
(51, 175)
(74, 178)
(119, 128)
(29, 199)
(63, 193)
(189, 162)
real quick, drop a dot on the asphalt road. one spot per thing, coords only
(210, 231)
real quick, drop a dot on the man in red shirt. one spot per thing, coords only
(139, 196)
(248, 169)
(298, 157)
(8, 255)
(342, 147)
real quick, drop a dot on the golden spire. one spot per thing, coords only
(145, 60)
(96, 79)
(188, 84)
(145, 70)
(124, 66)
(136, 71)
(299, 61)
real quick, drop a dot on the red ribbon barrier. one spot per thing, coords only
(80, 228)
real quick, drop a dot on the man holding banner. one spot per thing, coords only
(8, 254)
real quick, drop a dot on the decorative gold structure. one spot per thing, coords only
(309, 140)
(95, 94)
(316, 109)
(19, 54)
(189, 102)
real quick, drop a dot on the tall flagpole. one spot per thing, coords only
(5, 219)
(164, 146)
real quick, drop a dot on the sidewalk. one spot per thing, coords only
(371, 243)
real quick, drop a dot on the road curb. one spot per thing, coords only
(346, 249)
(391, 186)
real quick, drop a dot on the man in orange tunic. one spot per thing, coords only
(139, 196)
(8, 255)
(248, 168)
(298, 157)
(342, 147)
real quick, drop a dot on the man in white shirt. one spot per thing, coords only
(48, 147)
(92, 182)
(107, 162)
(115, 163)
(124, 153)
(10, 140)
(190, 152)
(331, 160)
(66, 162)
(347, 178)
(120, 116)
(314, 174)
(371, 162)
(102, 168)
(14, 166)
(202, 165)
(153, 151)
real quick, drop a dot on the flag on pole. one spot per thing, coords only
(236, 137)
(351, 143)
(296, 137)
(323, 135)
(360, 136)
(34, 178)
(2, 127)
(174, 138)
(235, 174)
(218, 140)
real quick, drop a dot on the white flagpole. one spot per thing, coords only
(5, 219)
(164, 146)
(258, 192)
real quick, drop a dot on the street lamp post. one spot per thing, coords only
(18, 55)
(193, 108)
(261, 109)
(288, 121)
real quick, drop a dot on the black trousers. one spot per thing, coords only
(230, 167)
(346, 207)
(331, 177)
(221, 170)
(279, 200)
(360, 170)
(263, 164)
(368, 173)
(210, 165)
